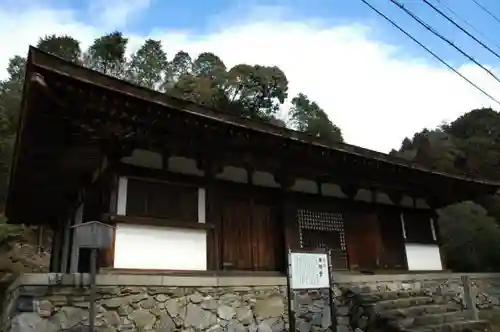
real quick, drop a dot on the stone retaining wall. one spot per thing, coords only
(47, 303)
(53, 303)
(312, 311)
(486, 286)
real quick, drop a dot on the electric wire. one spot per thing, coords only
(428, 27)
(459, 27)
(470, 25)
(486, 10)
(437, 57)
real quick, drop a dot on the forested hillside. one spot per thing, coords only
(469, 145)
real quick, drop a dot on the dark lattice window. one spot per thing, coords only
(418, 228)
(162, 200)
(320, 229)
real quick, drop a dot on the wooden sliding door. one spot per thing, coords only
(251, 236)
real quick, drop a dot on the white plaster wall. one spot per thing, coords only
(332, 189)
(423, 257)
(235, 174)
(305, 186)
(152, 247)
(184, 165)
(383, 198)
(407, 201)
(264, 179)
(202, 205)
(421, 203)
(121, 204)
(144, 158)
(178, 164)
(364, 195)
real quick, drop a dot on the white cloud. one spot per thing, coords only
(374, 91)
(115, 14)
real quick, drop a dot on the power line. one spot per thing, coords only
(486, 10)
(463, 20)
(428, 27)
(429, 51)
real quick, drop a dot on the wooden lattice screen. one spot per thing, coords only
(320, 229)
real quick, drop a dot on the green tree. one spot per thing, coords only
(256, 91)
(307, 116)
(484, 122)
(210, 66)
(11, 91)
(64, 46)
(477, 134)
(10, 102)
(148, 65)
(471, 238)
(107, 54)
(469, 146)
(201, 81)
(180, 66)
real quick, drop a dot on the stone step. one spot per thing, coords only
(417, 311)
(384, 296)
(469, 326)
(401, 303)
(436, 319)
(428, 320)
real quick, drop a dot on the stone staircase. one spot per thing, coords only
(412, 311)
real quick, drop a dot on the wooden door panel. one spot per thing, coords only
(251, 236)
(363, 240)
(236, 236)
(265, 238)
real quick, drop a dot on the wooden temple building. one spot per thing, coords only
(189, 188)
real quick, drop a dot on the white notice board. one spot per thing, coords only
(309, 270)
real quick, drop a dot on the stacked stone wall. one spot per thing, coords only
(56, 303)
(64, 307)
(312, 311)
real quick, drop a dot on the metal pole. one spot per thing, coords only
(469, 298)
(92, 297)
(291, 293)
(331, 295)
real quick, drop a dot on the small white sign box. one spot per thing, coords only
(309, 270)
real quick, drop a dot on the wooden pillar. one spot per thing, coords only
(66, 244)
(349, 228)
(213, 212)
(435, 203)
(439, 238)
(56, 252)
(397, 198)
(288, 211)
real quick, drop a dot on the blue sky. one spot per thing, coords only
(374, 82)
(198, 16)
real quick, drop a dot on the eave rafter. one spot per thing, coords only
(122, 123)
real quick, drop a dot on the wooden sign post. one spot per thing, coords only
(309, 270)
(94, 235)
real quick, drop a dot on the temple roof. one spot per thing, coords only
(65, 104)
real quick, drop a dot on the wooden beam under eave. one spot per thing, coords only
(395, 196)
(350, 191)
(211, 168)
(288, 211)
(81, 158)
